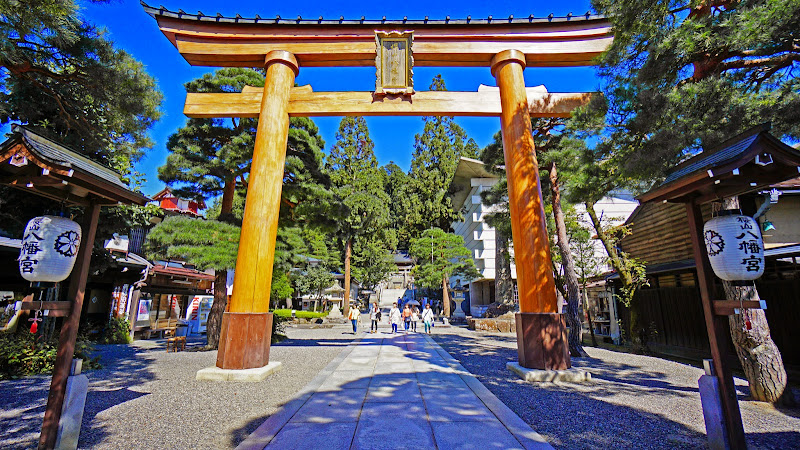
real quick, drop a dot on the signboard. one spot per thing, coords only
(197, 313)
(144, 310)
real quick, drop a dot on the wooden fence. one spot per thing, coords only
(675, 318)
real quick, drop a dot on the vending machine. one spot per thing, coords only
(197, 313)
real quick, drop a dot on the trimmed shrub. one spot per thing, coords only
(116, 331)
(23, 354)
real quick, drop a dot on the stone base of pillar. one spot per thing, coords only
(244, 340)
(542, 341)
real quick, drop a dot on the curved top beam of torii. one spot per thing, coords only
(244, 42)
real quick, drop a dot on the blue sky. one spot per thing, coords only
(136, 32)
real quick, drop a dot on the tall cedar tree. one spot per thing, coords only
(398, 187)
(681, 77)
(438, 256)
(436, 154)
(357, 182)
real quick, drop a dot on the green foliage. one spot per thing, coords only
(287, 313)
(440, 255)
(206, 244)
(358, 186)
(684, 76)
(116, 331)
(436, 154)
(208, 156)
(281, 287)
(61, 75)
(398, 187)
(23, 354)
(314, 281)
(372, 262)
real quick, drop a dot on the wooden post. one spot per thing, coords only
(69, 331)
(717, 327)
(541, 333)
(253, 278)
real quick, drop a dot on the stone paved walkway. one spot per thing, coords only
(391, 391)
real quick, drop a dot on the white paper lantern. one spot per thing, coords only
(735, 247)
(49, 249)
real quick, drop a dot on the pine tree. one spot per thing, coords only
(60, 74)
(209, 157)
(680, 77)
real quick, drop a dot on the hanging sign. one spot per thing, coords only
(394, 63)
(735, 247)
(49, 249)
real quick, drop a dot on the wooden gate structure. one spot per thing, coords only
(283, 46)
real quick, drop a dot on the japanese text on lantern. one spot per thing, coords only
(31, 246)
(750, 245)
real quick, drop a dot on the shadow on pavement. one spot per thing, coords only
(573, 418)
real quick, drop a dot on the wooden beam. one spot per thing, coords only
(39, 180)
(207, 43)
(304, 102)
(728, 307)
(32, 305)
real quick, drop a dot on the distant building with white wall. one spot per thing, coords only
(470, 179)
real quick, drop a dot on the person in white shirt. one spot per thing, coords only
(394, 317)
(427, 318)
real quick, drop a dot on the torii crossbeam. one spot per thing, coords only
(283, 46)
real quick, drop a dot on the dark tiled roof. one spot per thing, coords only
(402, 258)
(64, 157)
(278, 20)
(715, 159)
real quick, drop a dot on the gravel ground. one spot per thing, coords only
(147, 398)
(633, 401)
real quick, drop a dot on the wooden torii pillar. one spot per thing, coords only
(506, 46)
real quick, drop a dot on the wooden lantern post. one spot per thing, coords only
(247, 327)
(69, 331)
(541, 332)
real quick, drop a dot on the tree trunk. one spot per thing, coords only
(637, 334)
(503, 284)
(573, 316)
(445, 297)
(589, 316)
(348, 250)
(757, 352)
(214, 323)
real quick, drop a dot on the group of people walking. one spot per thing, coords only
(409, 317)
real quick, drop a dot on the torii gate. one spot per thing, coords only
(283, 46)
